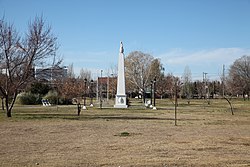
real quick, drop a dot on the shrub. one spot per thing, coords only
(124, 134)
(39, 88)
(28, 98)
(52, 97)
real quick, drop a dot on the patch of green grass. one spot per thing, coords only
(124, 134)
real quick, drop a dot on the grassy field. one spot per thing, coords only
(205, 135)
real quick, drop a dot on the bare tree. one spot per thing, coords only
(70, 72)
(141, 68)
(71, 88)
(156, 70)
(239, 76)
(113, 81)
(19, 56)
(85, 73)
(170, 83)
(187, 79)
(161, 85)
(198, 89)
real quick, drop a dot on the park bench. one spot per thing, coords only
(45, 102)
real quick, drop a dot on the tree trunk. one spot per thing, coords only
(8, 113)
(2, 103)
(144, 94)
(8, 110)
(231, 107)
(9, 105)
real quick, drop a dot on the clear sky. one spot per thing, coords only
(201, 34)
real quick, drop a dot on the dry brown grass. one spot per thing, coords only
(205, 136)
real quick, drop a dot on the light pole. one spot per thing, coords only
(177, 88)
(101, 91)
(91, 93)
(206, 87)
(84, 100)
(205, 83)
(175, 105)
(112, 85)
(154, 83)
(108, 88)
(151, 94)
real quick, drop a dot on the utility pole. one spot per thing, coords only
(175, 104)
(205, 87)
(223, 81)
(108, 88)
(97, 89)
(85, 94)
(154, 83)
(151, 94)
(205, 82)
(101, 90)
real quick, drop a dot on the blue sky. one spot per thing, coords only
(201, 34)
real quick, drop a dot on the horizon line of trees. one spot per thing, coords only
(139, 83)
(20, 54)
(141, 70)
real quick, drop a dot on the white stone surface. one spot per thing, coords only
(121, 101)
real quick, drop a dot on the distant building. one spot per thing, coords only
(107, 86)
(16, 71)
(51, 74)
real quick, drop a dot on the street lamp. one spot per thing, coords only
(101, 91)
(91, 93)
(112, 85)
(108, 88)
(175, 104)
(84, 100)
(177, 87)
(154, 83)
(151, 94)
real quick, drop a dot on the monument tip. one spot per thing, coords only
(121, 47)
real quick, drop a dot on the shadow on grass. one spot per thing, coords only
(138, 118)
(41, 116)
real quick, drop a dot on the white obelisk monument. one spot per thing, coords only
(120, 100)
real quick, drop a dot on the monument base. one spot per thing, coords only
(120, 106)
(120, 101)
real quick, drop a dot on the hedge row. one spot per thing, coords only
(28, 98)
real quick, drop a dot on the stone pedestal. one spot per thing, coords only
(120, 101)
